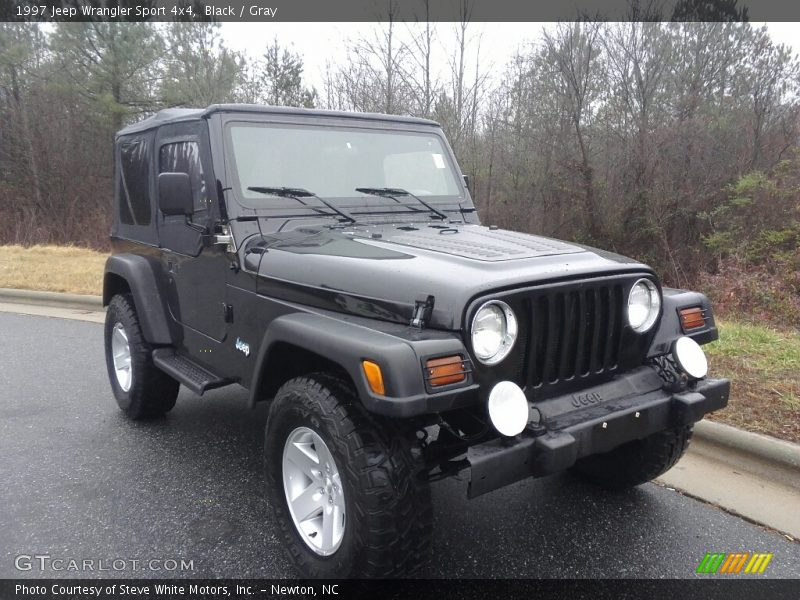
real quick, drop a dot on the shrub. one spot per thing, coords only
(755, 240)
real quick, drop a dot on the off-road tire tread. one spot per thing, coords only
(393, 505)
(636, 462)
(153, 392)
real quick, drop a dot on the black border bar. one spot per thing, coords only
(700, 588)
(398, 10)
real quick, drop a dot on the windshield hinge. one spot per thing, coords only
(423, 308)
(224, 237)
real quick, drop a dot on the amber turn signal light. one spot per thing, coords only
(374, 377)
(692, 318)
(445, 370)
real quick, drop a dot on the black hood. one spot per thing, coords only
(379, 271)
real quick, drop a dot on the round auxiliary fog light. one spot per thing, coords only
(508, 408)
(690, 357)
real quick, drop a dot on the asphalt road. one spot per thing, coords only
(78, 481)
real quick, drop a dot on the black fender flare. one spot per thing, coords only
(669, 328)
(346, 344)
(140, 274)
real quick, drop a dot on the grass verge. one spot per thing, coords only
(52, 269)
(763, 365)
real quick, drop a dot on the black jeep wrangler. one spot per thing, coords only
(334, 265)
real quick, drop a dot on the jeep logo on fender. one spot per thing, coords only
(579, 400)
(243, 347)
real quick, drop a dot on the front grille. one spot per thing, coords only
(573, 333)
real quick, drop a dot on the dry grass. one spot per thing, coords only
(763, 365)
(52, 269)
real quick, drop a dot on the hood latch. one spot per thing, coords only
(423, 308)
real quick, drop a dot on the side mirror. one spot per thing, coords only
(466, 181)
(175, 194)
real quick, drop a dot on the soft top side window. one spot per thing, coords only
(134, 182)
(184, 157)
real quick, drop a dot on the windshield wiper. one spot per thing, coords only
(386, 192)
(297, 194)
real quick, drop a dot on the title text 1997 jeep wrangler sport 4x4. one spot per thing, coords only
(334, 265)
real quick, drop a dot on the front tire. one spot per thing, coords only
(141, 389)
(359, 470)
(636, 462)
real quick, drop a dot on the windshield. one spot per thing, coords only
(333, 161)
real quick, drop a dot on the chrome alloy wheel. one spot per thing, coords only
(313, 489)
(121, 353)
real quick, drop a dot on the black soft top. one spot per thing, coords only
(174, 115)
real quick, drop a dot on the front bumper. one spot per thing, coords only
(630, 407)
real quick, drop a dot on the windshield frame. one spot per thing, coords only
(361, 204)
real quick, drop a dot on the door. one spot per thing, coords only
(196, 272)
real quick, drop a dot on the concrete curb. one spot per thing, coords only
(758, 446)
(58, 299)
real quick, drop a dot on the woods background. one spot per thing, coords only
(675, 143)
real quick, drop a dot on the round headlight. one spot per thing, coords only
(644, 302)
(494, 331)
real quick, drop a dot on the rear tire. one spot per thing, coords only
(387, 507)
(142, 390)
(636, 462)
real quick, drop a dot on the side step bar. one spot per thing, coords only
(187, 372)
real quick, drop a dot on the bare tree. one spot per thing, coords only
(372, 80)
(419, 74)
(573, 51)
(18, 56)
